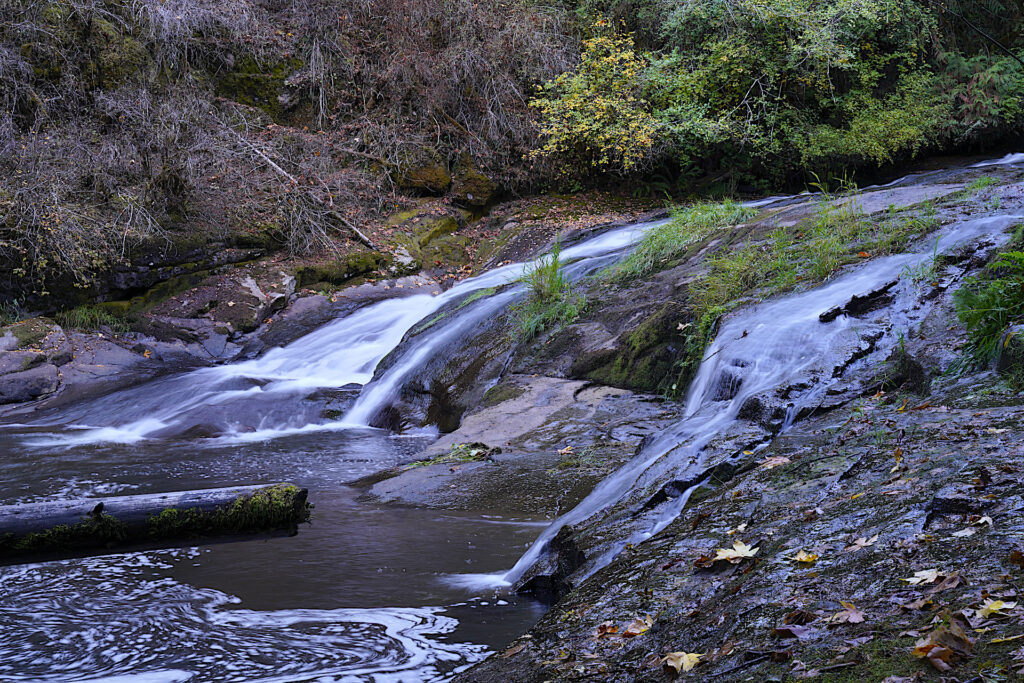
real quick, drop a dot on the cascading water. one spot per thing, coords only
(354, 597)
(260, 399)
(759, 349)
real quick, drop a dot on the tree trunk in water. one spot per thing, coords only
(70, 528)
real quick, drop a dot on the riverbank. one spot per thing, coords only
(793, 439)
(903, 464)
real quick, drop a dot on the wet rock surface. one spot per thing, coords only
(867, 522)
(552, 440)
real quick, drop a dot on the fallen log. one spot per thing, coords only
(72, 528)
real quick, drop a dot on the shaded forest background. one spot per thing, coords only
(128, 125)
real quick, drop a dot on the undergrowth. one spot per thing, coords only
(552, 301)
(91, 318)
(989, 303)
(665, 243)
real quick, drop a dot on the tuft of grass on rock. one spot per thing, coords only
(688, 225)
(91, 318)
(989, 303)
(552, 301)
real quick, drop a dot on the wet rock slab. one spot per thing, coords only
(555, 439)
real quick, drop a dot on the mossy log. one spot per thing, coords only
(72, 528)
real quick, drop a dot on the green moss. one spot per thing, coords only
(340, 271)
(425, 171)
(92, 532)
(643, 361)
(29, 332)
(259, 85)
(118, 57)
(273, 507)
(471, 187)
(500, 393)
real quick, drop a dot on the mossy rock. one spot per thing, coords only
(434, 227)
(260, 86)
(29, 332)
(118, 58)
(340, 271)
(424, 171)
(470, 187)
(643, 361)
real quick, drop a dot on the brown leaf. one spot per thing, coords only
(850, 615)
(606, 629)
(1017, 558)
(636, 627)
(792, 631)
(947, 643)
(800, 617)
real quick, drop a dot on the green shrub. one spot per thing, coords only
(990, 303)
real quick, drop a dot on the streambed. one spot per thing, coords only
(358, 595)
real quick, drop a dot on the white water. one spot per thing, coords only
(256, 400)
(1008, 160)
(766, 347)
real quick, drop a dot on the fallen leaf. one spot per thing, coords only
(860, 543)
(1007, 640)
(799, 617)
(805, 557)
(994, 607)
(606, 629)
(922, 577)
(681, 661)
(850, 615)
(565, 451)
(964, 533)
(739, 552)
(792, 631)
(951, 581)
(637, 627)
(946, 643)
(773, 462)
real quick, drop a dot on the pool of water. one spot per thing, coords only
(360, 594)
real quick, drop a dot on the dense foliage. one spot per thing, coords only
(762, 87)
(128, 127)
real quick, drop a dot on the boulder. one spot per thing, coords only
(470, 187)
(19, 361)
(27, 385)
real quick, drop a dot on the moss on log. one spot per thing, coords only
(71, 528)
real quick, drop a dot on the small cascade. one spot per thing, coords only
(261, 399)
(757, 351)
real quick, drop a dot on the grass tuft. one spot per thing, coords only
(91, 318)
(688, 225)
(552, 301)
(990, 303)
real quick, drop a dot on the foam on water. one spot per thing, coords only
(139, 626)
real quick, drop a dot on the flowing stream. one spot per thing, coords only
(362, 594)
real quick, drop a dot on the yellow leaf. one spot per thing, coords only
(806, 557)
(682, 661)
(994, 607)
(923, 577)
(737, 553)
